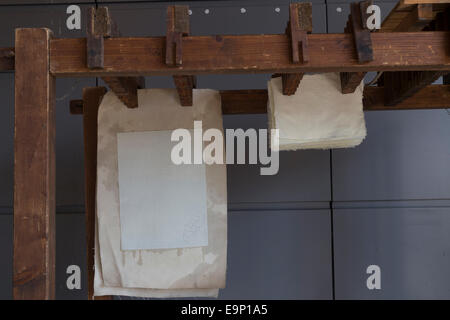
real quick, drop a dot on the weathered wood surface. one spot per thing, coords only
(402, 17)
(92, 98)
(101, 26)
(254, 53)
(126, 88)
(361, 34)
(34, 167)
(417, 19)
(403, 84)
(177, 27)
(255, 101)
(185, 85)
(350, 81)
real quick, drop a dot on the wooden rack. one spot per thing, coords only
(412, 49)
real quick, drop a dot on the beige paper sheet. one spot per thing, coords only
(188, 268)
(318, 115)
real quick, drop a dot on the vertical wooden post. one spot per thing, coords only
(34, 168)
(91, 101)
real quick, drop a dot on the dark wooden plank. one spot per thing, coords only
(255, 101)
(185, 85)
(92, 98)
(350, 81)
(402, 85)
(126, 88)
(291, 82)
(6, 59)
(34, 167)
(430, 97)
(254, 53)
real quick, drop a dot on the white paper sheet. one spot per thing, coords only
(162, 205)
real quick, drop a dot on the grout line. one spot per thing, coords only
(333, 285)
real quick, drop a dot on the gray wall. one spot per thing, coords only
(308, 233)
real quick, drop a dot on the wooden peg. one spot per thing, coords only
(357, 25)
(100, 27)
(361, 34)
(177, 28)
(300, 24)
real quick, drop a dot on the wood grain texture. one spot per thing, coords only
(34, 168)
(185, 85)
(177, 27)
(361, 35)
(254, 53)
(402, 85)
(126, 88)
(350, 81)
(419, 17)
(255, 101)
(291, 82)
(92, 98)
(300, 23)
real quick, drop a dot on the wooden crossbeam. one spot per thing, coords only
(34, 167)
(100, 27)
(393, 51)
(419, 17)
(401, 85)
(177, 28)
(255, 101)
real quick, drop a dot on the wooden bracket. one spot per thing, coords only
(177, 28)
(401, 85)
(419, 17)
(357, 25)
(299, 25)
(101, 26)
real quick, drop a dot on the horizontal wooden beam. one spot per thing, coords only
(255, 101)
(254, 54)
